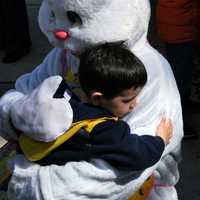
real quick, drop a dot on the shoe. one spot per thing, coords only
(190, 133)
(16, 55)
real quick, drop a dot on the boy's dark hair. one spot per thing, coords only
(110, 68)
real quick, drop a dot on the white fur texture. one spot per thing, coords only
(54, 116)
(6, 129)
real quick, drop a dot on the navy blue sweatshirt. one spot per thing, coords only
(110, 141)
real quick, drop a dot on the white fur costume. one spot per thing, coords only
(33, 110)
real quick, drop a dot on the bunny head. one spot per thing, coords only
(76, 24)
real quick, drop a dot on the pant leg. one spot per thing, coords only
(180, 57)
(15, 24)
(22, 23)
(2, 34)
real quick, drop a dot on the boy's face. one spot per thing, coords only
(123, 103)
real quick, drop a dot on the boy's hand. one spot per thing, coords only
(164, 129)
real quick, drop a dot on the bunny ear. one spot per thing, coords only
(49, 86)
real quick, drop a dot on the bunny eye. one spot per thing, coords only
(52, 15)
(74, 18)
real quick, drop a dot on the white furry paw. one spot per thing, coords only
(7, 131)
(39, 115)
(167, 171)
(163, 193)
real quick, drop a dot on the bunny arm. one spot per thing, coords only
(33, 109)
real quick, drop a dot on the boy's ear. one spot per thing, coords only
(96, 98)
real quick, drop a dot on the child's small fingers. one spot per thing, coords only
(168, 122)
(163, 118)
(162, 121)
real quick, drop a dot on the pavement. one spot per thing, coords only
(188, 186)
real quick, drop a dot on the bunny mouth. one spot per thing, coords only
(61, 34)
(64, 39)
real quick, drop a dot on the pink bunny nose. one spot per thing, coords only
(61, 34)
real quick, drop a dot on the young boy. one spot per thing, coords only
(111, 78)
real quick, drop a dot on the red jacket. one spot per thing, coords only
(178, 21)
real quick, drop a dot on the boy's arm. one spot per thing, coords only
(113, 142)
